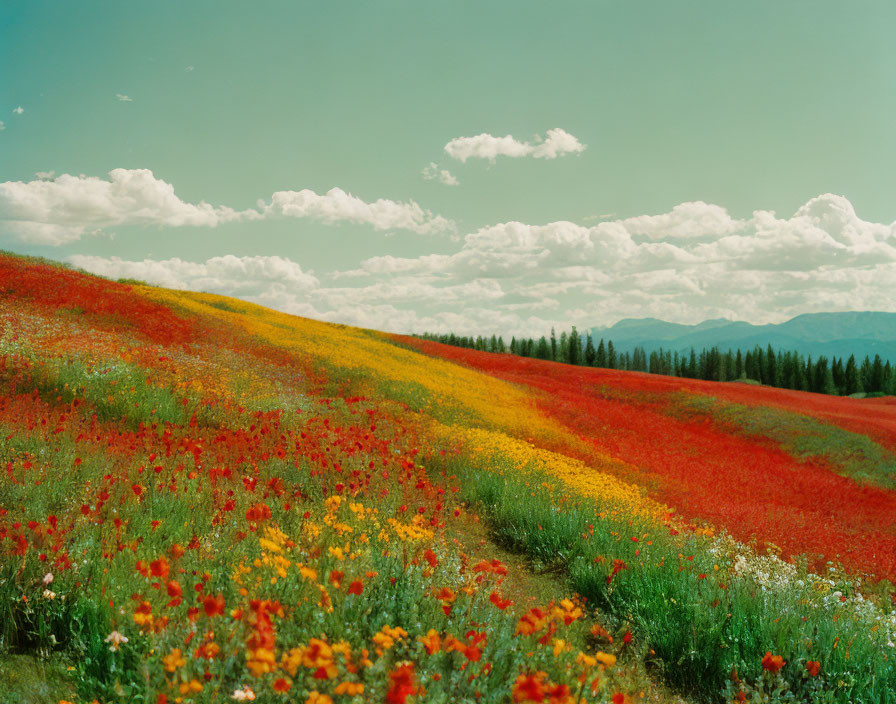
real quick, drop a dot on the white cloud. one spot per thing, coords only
(2, 125)
(486, 146)
(56, 211)
(45, 175)
(124, 98)
(63, 210)
(693, 263)
(337, 205)
(434, 173)
(19, 110)
(227, 274)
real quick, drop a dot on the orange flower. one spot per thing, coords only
(531, 622)
(336, 577)
(446, 595)
(174, 660)
(431, 641)
(350, 689)
(430, 557)
(401, 684)
(316, 697)
(143, 614)
(772, 663)
(813, 667)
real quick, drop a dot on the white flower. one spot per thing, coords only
(49, 595)
(114, 639)
(48, 578)
(244, 694)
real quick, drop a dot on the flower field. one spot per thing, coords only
(203, 500)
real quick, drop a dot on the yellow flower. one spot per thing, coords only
(605, 659)
(308, 573)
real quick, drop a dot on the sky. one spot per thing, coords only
(479, 167)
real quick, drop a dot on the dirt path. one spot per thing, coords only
(528, 587)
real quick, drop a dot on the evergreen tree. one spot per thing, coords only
(739, 366)
(852, 383)
(575, 347)
(563, 348)
(553, 344)
(611, 355)
(773, 373)
(543, 349)
(589, 351)
(601, 358)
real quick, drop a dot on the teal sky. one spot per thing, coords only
(747, 106)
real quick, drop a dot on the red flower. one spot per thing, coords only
(213, 605)
(772, 663)
(356, 587)
(498, 601)
(529, 688)
(159, 568)
(281, 684)
(401, 684)
(813, 667)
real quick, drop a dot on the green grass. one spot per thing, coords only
(697, 630)
(29, 679)
(850, 454)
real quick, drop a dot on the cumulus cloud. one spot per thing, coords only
(227, 274)
(337, 205)
(556, 143)
(124, 98)
(64, 209)
(434, 173)
(692, 263)
(60, 210)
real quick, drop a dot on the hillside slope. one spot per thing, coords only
(203, 498)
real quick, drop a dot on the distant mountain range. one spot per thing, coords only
(830, 334)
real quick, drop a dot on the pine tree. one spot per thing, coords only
(611, 356)
(852, 383)
(553, 344)
(589, 351)
(601, 358)
(575, 347)
(543, 349)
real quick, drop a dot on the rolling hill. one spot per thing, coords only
(203, 499)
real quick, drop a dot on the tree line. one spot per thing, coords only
(786, 369)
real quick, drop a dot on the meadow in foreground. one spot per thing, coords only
(203, 500)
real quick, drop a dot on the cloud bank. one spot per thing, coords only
(60, 210)
(692, 263)
(556, 143)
